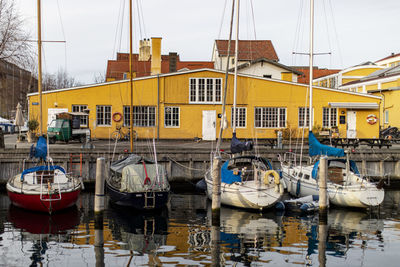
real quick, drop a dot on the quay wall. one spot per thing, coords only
(184, 164)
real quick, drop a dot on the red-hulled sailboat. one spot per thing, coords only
(45, 188)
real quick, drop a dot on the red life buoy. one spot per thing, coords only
(372, 119)
(117, 117)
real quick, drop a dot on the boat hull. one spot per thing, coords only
(246, 195)
(362, 195)
(137, 200)
(50, 204)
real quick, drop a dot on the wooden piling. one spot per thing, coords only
(323, 176)
(100, 177)
(216, 192)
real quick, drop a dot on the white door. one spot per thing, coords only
(209, 125)
(351, 124)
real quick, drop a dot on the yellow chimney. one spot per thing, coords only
(155, 55)
(144, 50)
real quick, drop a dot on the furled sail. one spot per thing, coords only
(316, 148)
(238, 146)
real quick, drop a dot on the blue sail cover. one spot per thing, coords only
(316, 148)
(237, 146)
(40, 151)
(41, 168)
(227, 176)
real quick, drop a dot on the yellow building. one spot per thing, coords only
(347, 75)
(386, 84)
(188, 104)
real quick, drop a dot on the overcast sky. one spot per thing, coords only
(353, 31)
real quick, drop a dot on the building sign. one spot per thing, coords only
(35, 103)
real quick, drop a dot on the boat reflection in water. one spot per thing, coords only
(142, 232)
(345, 230)
(42, 228)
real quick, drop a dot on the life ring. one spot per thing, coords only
(117, 117)
(372, 119)
(274, 174)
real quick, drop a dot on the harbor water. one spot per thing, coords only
(182, 235)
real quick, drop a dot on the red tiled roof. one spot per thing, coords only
(248, 49)
(117, 68)
(317, 73)
(391, 56)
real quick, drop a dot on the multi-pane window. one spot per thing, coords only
(269, 117)
(81, 108)
(304, 122)
(329, 117)
(143, 116)
(205, 90)
(103, 115)
(171, 116)
(240, 117)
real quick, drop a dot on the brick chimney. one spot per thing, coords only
(155, 55)
(144, 50)
(173, 56)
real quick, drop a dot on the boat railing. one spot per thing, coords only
(47, 177)
(293, 159)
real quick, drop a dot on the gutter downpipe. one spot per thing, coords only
(158, 107)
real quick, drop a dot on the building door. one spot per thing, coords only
(209, 125)
(351, 124)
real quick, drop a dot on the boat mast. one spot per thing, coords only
(236, 65)
(311, 58)
(130, 75)
(40, 67)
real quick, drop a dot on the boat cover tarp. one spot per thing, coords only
(40, 151)
(316, 148)
(42, 168)
(134, 177)
(238, 146)
(118, 165)
(227, 176)
(353, 167)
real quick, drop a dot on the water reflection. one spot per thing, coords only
(182, 234)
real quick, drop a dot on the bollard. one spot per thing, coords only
(99, 239)
(323, 194)
(215, 246)
(216, 190)
(99, 194)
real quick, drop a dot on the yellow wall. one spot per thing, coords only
(360, 72)
(174, 91)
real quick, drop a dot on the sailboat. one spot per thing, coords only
(247, 181)
(135, 181)
(345, 186)
(45, 187)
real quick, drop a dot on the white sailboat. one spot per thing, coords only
(345, 186)
(246, 181)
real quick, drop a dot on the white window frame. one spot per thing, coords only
(265, 116)
(329, 117)
(170, 121)
(143, 116)
(241, 117)
(301, 111)
(81, 108)
(205, 90)
(386, 116)
(105, 115)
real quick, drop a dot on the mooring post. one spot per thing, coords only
(216, 191)
(364, 168)
(323, 195)
(322, 236)
(100, 177)
(99, 239)
(382, 168)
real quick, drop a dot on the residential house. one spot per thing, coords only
(389, 61)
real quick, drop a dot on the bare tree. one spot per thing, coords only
(58, 80)
(14, 41)
(99, 77)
